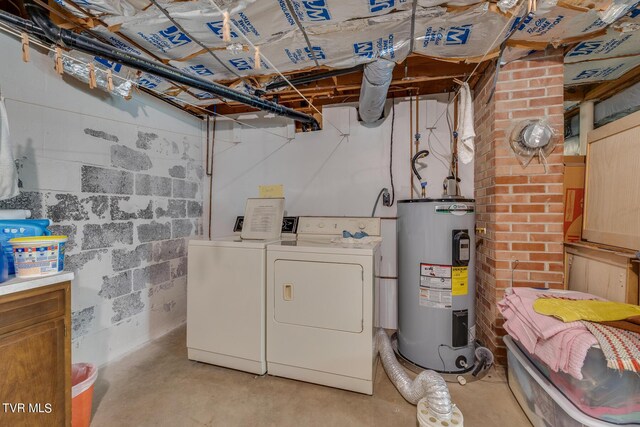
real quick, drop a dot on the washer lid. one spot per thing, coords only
(232, 242)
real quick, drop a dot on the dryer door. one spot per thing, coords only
(319, 294)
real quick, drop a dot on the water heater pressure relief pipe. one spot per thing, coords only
(423, 184)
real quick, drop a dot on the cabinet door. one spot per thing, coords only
(32, 376)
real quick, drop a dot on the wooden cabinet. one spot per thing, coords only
(603, 272)
(35, 357)
(612, 195)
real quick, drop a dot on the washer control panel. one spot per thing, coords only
(336, 225)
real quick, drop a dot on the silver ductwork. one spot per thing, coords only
(376, 79)
(427, 384)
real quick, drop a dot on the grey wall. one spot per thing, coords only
(123, 179)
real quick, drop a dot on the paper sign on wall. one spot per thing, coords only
(270, 191)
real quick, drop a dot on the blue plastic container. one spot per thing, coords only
(10, 228)
(4, 265)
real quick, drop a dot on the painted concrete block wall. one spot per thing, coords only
(335, 172)
(123, 179)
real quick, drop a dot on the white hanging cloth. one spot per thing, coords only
(466, 132)
(8, 172)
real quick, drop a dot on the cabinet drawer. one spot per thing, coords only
(19, 311)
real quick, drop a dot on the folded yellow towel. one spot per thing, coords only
(594, 311)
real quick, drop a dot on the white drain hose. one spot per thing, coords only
(427, 384)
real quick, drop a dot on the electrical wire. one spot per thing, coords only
(439, 156)
(443, 158)
(375, 205)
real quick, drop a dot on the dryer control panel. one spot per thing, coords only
(321, 225)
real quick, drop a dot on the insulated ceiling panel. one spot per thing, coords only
(612, 44)
(597, 71)
(298, 35)
(468, 33)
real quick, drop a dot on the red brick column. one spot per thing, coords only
(520, 208)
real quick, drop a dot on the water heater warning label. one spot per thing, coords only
(435, 286)
(435, 298)
(434, 270)
(460, 281)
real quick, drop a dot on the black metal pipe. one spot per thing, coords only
(23, 24)
(313, 77)
(69, 39)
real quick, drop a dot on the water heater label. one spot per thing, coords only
(434, 270)
(435, 285)
(460, 281)
(435, 282)
(455, 209)
(435, 298)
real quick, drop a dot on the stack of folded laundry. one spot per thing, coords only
(587, 347)
(621, 346)
(561, 346)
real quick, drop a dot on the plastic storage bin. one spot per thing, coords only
(83, 378)
(38, 256)
(546, 406)
(11, 228)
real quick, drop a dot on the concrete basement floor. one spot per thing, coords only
(158, 386)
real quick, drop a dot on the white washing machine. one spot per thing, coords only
(321, 304)
(226, 300)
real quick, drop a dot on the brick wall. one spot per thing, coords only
(521, 208)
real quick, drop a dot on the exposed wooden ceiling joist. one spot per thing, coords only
(419, 75)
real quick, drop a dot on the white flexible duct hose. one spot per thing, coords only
(376, 79)
(427, 384)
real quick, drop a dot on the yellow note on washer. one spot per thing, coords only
(271, 191)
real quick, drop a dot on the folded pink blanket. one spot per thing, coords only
(561, 346)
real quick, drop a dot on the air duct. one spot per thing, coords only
(376, 79)
(69, 39)
(428, 384)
